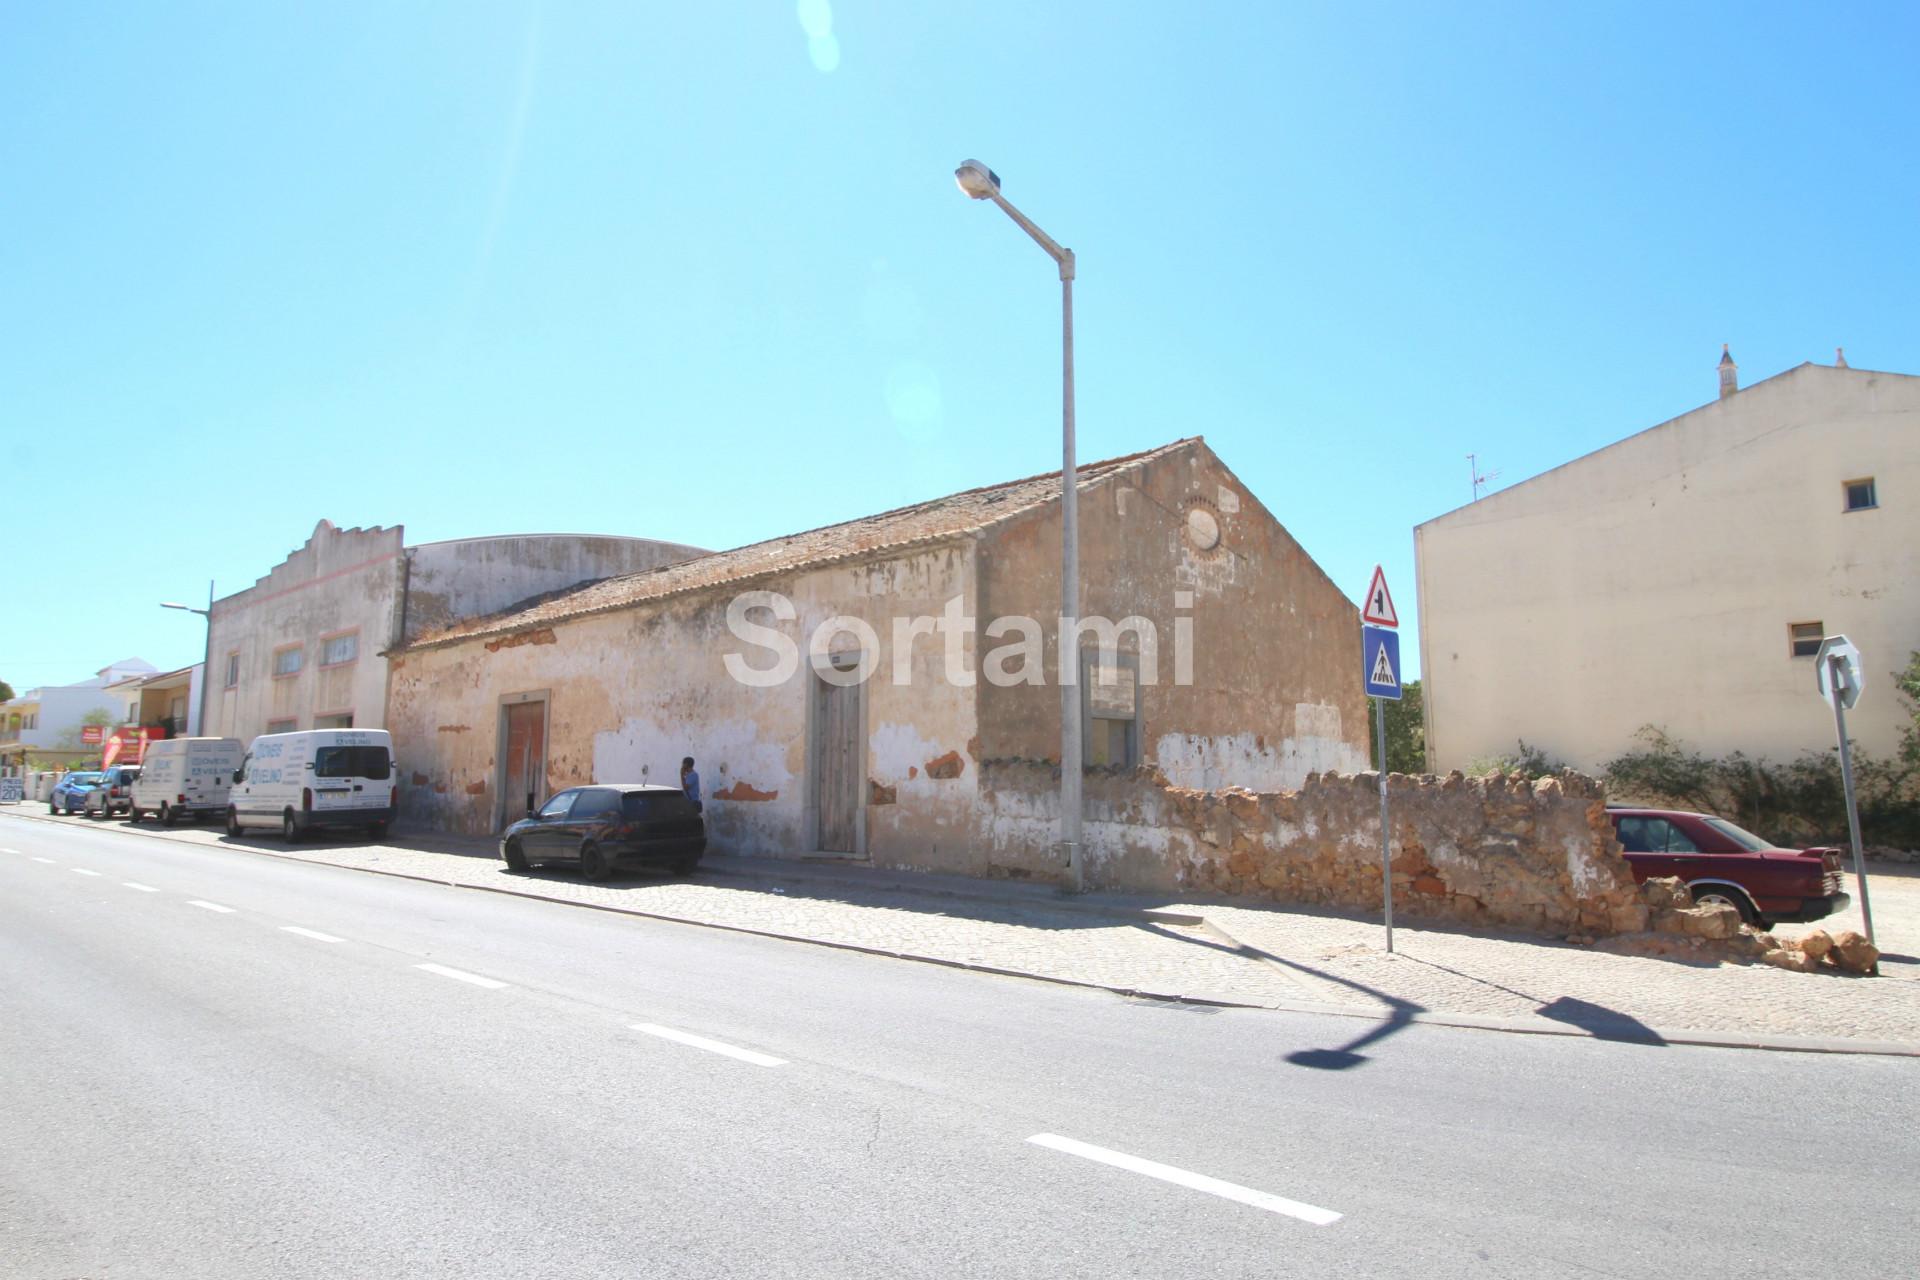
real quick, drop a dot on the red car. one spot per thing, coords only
(1722, 863)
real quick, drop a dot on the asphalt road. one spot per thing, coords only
(215, 1064)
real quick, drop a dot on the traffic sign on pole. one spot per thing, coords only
(1379, 608)
(1380, 662)
(1836, 671)
(1837, 676)
(1380, 670)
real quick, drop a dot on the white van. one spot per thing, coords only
(315, 778)
(185, 777)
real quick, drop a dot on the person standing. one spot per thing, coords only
(690, 783)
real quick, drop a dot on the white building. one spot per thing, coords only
(1683, 578)
(46, 722)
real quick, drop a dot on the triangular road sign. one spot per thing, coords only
(1383, 670)
(1379, 607)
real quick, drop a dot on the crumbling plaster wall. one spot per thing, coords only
(1486, 850)
(341, 580)
(1276, 692)
(473, 577)
(630, 692)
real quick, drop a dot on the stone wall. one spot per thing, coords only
(1486, 850)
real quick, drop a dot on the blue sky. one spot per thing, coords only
(687, 272)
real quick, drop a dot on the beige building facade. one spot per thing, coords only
(305, 647)
(1682, 578)
(1231, 662)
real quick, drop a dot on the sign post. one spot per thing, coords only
(1837, 677)
(1380, 669)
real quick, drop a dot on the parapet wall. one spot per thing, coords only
(1486, 850)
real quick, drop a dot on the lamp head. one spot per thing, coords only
(977, 180)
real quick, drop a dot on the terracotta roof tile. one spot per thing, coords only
(953, 516)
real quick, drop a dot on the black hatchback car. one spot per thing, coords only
(603, 827)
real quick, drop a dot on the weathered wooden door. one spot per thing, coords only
(523, 761)
(836, 765)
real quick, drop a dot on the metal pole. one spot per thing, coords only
(206, 663)
(1836, 669)
(1072, 753)
(1386, 859)
(1071, 747)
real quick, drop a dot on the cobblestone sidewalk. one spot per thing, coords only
(1216, 951)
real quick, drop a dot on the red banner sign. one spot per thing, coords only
(129, 745)
(92, 735)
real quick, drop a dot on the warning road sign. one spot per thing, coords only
(1379, 609)
(1380, 649)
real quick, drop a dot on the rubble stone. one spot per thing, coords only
(1787, 958)
(1852, 952)
(1716, 920)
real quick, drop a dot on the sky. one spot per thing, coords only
(701, 272)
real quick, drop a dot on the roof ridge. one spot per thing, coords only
(620, 590)
(1102, 464)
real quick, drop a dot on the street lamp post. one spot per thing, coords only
(982, 183)
(206, 663)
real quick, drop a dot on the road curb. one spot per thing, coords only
(1648, 1037)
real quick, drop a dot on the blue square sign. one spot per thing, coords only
(1380, 665)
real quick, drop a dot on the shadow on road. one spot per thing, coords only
(1600, 1022)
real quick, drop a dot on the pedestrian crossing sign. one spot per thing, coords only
(1380, 666)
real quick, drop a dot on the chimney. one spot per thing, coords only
(1729, 373)
(1840, 358)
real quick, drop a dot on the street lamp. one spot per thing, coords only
(982, 183)
(206, 663)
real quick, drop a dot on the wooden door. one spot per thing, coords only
(836, 765)
(523, 755)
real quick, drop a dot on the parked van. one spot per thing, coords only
(185, 777)
(315, 778)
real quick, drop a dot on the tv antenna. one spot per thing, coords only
(1480, 478)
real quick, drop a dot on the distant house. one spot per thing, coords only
(166, 704)
(45, 723)
(1683, 578)
(304, 647)
(1232, 661)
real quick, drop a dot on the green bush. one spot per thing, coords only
(1800, 802)
(1524, 762)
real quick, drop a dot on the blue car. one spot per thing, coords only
(70, 793)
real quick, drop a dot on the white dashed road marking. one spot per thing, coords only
(209, 906)
(48, 861)
(712, 1046)
(82, 871)
(460, 975)
(1182, 1178)
(315, 934)
(135, 884)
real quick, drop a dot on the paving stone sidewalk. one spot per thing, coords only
(1226, 952)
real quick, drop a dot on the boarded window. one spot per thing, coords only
(1111, 696)
(339, 650)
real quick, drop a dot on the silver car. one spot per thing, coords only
(112, 794)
